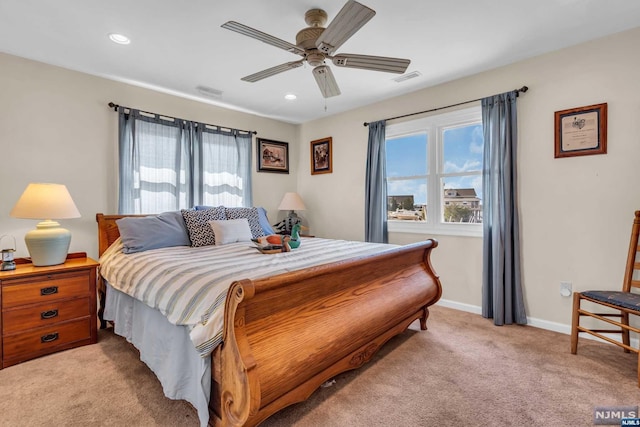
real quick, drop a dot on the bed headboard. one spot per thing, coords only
(108, 230)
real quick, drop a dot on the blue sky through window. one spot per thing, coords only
(463, 149)
(407, 156)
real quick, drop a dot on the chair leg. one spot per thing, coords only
(625, 332)
(575, 321)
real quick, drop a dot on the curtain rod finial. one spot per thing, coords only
(365, 124)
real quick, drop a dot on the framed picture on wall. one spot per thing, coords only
(321, 156)
(273, 156)
(581, 131)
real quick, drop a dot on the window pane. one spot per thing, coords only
(407, 199)
(221, 179)
(462, 149)
(407, 155)
(159, 180)
(462, 199)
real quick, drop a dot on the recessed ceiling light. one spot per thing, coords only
(290, 97)
(119, 38)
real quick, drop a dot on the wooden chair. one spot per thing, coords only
(624, 302)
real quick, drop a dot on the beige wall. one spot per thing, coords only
(576, 213)
(55, 126)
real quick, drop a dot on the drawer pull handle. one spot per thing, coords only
(49, 290)
(50, 314)
(49, 337)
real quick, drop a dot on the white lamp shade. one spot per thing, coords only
(45, 201)
(291, 202)
(48, 244)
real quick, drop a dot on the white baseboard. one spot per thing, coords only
(460, 306)
(531, 321)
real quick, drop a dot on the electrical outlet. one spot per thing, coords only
(565, 289)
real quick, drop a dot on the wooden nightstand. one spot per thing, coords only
(47, 309)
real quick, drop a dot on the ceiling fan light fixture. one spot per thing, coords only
(119, 38)
(315, 58)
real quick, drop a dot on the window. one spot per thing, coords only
(168, 164)
(434, 174)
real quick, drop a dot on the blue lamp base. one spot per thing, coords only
(48, 244)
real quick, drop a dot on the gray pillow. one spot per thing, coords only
(152, 232)
(197, 222)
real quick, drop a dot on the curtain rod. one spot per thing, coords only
(523, 89)
(116, 106)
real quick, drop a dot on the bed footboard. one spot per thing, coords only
(285, 335)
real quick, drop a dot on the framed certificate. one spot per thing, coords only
(581, 131)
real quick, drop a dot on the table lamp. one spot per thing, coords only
(48, 244)
(291, 202)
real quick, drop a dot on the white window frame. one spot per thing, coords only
(434, 126)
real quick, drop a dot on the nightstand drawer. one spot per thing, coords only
(45, 340)
(36, 316)
(44, 288)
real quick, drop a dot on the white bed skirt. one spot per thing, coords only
(165, 348)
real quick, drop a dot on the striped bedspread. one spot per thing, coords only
(189, 285)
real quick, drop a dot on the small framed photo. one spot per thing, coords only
(321, 156)
(273, 156)
(581, 131)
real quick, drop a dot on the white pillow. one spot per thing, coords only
(231, 231)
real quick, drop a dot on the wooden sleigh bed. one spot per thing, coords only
(287, 334)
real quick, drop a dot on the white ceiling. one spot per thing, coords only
(179, 45)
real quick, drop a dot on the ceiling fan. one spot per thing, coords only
(317, 43)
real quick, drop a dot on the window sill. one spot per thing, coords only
(415, 227)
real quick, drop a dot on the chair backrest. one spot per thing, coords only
(631, 278)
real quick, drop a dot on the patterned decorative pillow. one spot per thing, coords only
(252, 216)
(197, 221)
(267, 229)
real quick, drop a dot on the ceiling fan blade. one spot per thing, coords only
(350, 19)
(375, 63)
(263, 37)
(326, 82)
(272, 71)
